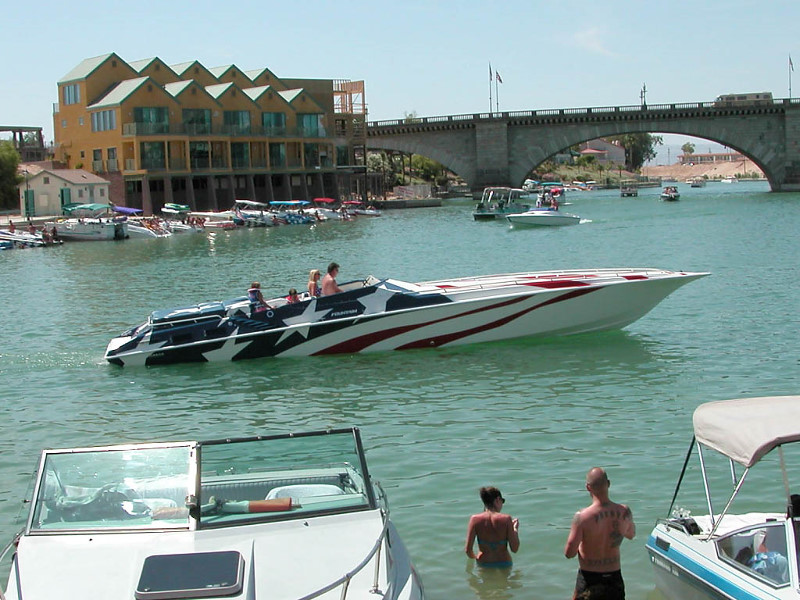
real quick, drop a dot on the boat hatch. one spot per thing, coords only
(207, 309)
(196, 575)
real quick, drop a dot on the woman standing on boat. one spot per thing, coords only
(496, 532)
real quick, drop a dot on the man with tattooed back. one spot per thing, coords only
(595, 536)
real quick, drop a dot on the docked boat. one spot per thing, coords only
(670, 194)
(21, 239)
(728, 554)
(543, 217)
(278, 516)
(374, 315)
(90, 222)
(497, 202)
(697, 182)
(358, 208)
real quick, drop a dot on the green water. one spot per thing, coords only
(528, 416)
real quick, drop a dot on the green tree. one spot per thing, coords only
(425, 168)
(639, 148)
(688, 148)
(9, 178)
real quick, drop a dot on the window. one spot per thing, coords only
(46, 180)
(80, 193)
(112, 153)
(274, 123)
(310, 125)
(63, 123)
(97, 154)
(198, 155)
(240, 155)
(83, 154)
(311, 155)
(152, 155)
(104, 120)
(277, 155)
(759, 552)
(151, 119)
(197, 120)
(237, 121)
(72, 94)
(80, 120)
(102, 192)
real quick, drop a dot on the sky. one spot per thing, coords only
(426, 57)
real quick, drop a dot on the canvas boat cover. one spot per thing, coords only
(747, 429)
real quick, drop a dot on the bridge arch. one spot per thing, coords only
(501, 148)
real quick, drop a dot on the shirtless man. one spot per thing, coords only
(329, 281)
(495, 532)
(595, 536)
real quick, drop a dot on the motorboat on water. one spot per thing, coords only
(497, 202)
(374, 315)
(94, 221)
(21, 239)
(696, 182)
(273, 516)
(670, 194)
(543, 217)
(724, 553)
(358, 208)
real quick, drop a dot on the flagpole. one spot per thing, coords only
(496, 93)
(791, 68)
(490, 86)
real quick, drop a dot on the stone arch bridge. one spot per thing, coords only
(501, 148)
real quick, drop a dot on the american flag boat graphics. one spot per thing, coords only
(374, 315)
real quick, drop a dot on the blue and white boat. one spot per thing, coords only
(727, 553)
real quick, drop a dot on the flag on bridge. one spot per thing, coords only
(490, 72)
(499, 79)
(791, 65)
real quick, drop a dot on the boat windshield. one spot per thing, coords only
(131, 487)
(283, 477)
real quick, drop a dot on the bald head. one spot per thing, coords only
(596, 479)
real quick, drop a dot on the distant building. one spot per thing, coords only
(710, 157)
(45, 190)
(202, 136)
(27, 141)
(604, 152)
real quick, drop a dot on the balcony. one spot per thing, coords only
(145, 128)
(111, 165)
(206, 129)
(98, 166)
(130, 164)
(240, 163)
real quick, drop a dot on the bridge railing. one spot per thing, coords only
(556, 112)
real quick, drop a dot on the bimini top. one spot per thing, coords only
(747, 429)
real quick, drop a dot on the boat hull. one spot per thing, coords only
(89, 230)
(378, 318)
(543, 218)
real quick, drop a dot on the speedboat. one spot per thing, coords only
(374, 315)
(279, 516)
(670, 194)
(358, 208)
(543, 217)
(497, 202)
(727, 554)
(21, 239)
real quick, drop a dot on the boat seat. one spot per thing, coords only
(253, 490)
(297, 492)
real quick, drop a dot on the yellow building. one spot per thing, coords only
(192, 135)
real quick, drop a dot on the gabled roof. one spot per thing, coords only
(74, 176)
(181, 68)
(291, 96)
(215, 91)
(141, 65)
(119, 92)
(179, 87)
(87, 66)
(219, 72)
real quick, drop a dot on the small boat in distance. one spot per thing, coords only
(376, 315)
(628, 188)
(719, 554)
(296, 515)
(542, 217)
(497, 202)
(697, 182)
(730, 179)
(670, 194)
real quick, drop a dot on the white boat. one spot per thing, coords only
(697, 182)
(543, 217)
(719, 553)
(279, 516)
(497, 202)
(88, 228)
(22, 239)
(374, 315)
(142, 231)
(670, 194)
(730, 179)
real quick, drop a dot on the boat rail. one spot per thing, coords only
(344, 580)
(12, 544)
(674, 524)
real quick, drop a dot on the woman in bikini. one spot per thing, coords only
(496, 532)
(313, 283)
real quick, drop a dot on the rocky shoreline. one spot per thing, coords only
(719, 170)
